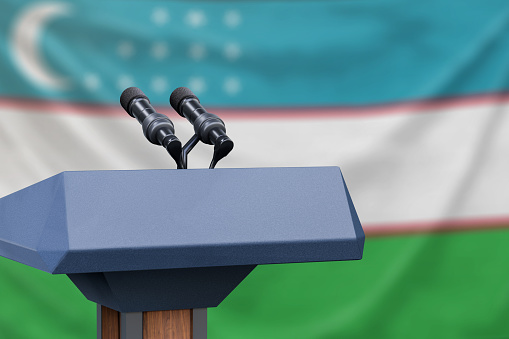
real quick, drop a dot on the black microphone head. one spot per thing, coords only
(180, 94)
(128, 95)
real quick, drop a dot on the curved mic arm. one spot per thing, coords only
(188, 147)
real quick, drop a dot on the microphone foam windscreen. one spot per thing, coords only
(180, 94)
(129, 94)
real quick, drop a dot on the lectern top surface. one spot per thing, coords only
(99, 221)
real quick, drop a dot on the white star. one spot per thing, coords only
(197, 51)
(197, 85)
(232, 18)
(232, 85)
(160, 16)
(125, 49)
(159, 50)
(232, 51)
(124, 81)
(91, 81)
(159, 84)
(196, 18)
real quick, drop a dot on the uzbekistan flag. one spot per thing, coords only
(410, 99)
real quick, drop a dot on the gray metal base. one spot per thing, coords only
(199, 323)
(131, 325)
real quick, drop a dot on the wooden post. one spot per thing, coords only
(110, 323)
(174, 324)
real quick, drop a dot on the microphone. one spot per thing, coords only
(207, 126)
(157, 128)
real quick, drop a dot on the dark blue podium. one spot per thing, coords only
(136, 242)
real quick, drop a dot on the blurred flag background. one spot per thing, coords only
(410, 99)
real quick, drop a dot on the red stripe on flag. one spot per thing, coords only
(439, 226)
(269, 112)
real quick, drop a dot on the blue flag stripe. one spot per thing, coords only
(260, 53)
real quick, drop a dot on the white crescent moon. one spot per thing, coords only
(24, 44)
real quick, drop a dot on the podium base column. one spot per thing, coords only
(174, 324)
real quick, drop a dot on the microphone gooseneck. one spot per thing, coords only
(208, 127)
(157, 128)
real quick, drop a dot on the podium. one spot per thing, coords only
(156, 248)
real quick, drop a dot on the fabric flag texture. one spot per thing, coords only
(409, 98)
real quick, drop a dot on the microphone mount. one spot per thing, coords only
(159, 129)
(208, 127)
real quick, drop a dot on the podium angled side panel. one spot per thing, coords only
(33, 224)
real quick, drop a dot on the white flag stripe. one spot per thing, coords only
(439, 164)
(399, 168)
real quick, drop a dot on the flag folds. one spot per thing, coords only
(409, 99)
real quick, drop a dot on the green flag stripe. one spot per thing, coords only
(448, 285)
(451, 285)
